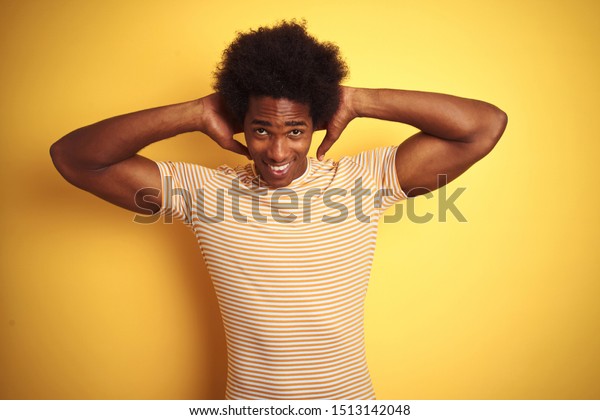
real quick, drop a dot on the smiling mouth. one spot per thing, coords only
(280, 169)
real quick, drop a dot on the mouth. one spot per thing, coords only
(279, 170)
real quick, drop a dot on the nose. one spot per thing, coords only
(277, 151)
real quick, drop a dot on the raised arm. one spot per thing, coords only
(102, 158)
(455, 132)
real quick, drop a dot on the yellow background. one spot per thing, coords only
(505, 306)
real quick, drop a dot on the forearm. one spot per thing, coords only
(113, 140)
(444, 116)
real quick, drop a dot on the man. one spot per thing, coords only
(288, 240)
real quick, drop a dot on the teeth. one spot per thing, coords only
(279, 168)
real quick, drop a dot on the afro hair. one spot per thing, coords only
(282, 61)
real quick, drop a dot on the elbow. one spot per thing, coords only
(491, 130)
(55, 155)
(60, 161)
(499, 125)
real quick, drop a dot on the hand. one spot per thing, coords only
(340, 120)
(220, 125)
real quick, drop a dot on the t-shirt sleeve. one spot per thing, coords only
(380, 164)
(181, 184)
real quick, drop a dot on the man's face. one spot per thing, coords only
(278, 134)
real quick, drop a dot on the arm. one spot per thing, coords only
(102, 158)
(455, 132)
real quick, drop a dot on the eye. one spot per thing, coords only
(295, 132)
(260, 131)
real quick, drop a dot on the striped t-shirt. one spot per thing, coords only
(290, 267)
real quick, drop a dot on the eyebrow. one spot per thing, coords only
(287, 123)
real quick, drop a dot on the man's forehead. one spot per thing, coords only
(263, 109)
(287, 123)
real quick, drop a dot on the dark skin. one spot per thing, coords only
(454, 134)
(278, 134)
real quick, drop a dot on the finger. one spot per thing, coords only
(236, 147)
(326, 144)
(242, 150)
